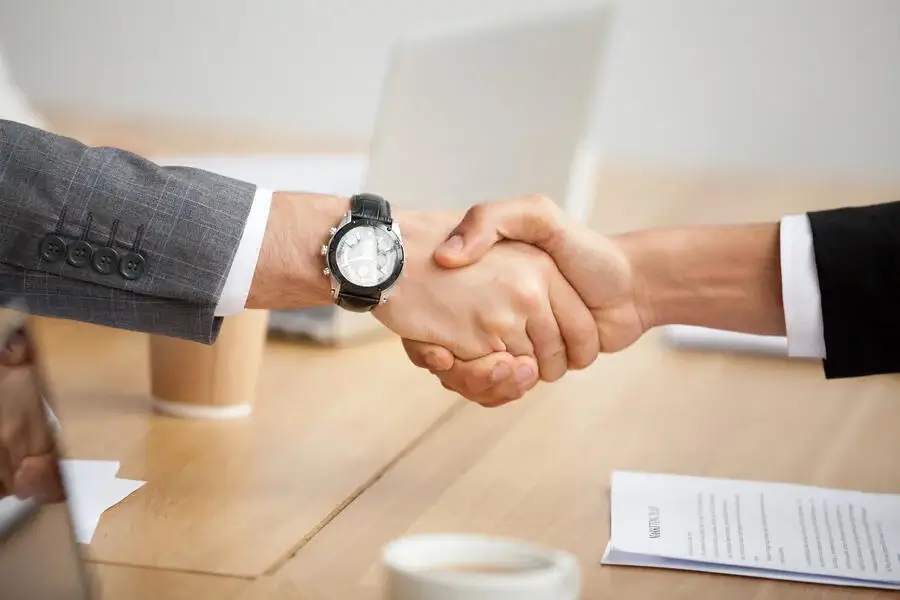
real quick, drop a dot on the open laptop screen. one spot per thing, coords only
(39, 558)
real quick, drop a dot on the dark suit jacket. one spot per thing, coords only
(104, 236)
(858, 262)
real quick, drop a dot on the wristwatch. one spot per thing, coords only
(364, 256)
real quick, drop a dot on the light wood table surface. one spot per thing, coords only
(539, 469)
(351, 448)
(235, 497)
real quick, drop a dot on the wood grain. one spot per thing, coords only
(539, 469)
(234, 497)
(114, 582)
(351, 448)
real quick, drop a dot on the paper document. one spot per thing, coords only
(92, 487)
(771, 530)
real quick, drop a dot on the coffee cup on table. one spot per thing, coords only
(200, 381)
(475, 567)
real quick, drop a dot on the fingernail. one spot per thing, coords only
(524, 374)
(453, 245)
(500, 373)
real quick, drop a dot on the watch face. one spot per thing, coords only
(367, 255)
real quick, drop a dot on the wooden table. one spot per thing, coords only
(351, 448)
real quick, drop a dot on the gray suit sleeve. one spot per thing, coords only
(104, 236)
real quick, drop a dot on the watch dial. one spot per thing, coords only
(366, 256)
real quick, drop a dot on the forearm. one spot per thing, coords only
(289, 270)
(724, 277)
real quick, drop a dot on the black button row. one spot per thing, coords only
(104, 259)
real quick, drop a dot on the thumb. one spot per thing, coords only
(471, 239)
(532, 220)
(428, 356)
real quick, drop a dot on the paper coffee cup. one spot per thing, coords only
(474, 567)
(219, 381)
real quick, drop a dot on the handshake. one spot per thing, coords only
(513, 293)
(518, 292)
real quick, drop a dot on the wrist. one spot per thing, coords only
(422, 233)
(289, 271)
(642, 256)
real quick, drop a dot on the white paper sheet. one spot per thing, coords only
(94, 503)
(770, 530)
(92, 488)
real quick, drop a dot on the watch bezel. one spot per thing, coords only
(347, 286)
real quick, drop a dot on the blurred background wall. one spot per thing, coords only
(809, 87)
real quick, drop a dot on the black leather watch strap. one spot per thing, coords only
(370, 206)
(356, 303)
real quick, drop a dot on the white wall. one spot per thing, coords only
(800, 86)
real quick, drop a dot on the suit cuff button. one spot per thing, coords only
(53, 248)
(79, 253)
(105, 260)
(132, 266)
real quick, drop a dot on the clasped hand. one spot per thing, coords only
(515, 293)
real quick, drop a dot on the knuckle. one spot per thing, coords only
(583, 349)
(581, 360)
(530, 300)
(546, 264)
(554, 366)
(499, 322)
(433, 360)
(477, 213)
(540, 202)
(545, 219)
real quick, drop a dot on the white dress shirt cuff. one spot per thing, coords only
(240, 276)
(800, 289)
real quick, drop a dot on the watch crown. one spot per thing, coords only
(324, 250)
(383, 299)
(326, 271)
(333, 230)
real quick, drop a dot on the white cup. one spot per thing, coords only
(474, 567)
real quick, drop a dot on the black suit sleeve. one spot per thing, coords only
(857, 254)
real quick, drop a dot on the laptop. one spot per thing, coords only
(475, 112)
(39, 556)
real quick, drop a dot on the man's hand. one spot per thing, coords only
(596, 266)
(29, 466)
(513, 300)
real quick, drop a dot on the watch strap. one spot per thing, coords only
(356, 303)
(370, 206)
